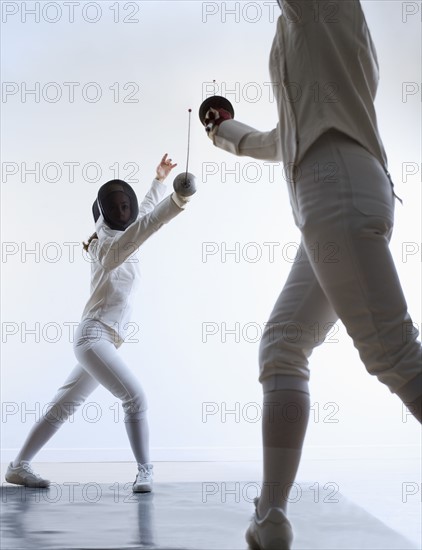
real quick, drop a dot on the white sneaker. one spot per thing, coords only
(143, 481)
(273, 532)
(23, 474)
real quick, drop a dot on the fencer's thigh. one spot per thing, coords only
(300, 320)
(99, 357)
(345, 211)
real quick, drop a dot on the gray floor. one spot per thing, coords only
(196, 516)
(207, 506)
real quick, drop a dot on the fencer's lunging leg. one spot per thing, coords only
(300, 321)
(97, 353)
(77, 387)
(349, 219)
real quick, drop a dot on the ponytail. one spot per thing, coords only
(91, 238)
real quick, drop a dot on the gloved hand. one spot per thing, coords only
(213, 119)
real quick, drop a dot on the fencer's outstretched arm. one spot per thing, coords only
(113, 251)
(242, 140)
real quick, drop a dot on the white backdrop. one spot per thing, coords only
(111, 86)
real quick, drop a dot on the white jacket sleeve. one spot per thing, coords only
(152, 198)
(114, 251)
(242, 140)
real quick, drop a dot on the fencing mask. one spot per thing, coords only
(118, 204)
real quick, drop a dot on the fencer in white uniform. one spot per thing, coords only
(121, 227)
(324, 70)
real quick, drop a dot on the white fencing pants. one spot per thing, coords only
(343, 204)
(99, 363)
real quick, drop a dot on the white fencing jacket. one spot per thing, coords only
(324, 70)
(115, 272)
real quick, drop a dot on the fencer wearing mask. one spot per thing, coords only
(324, 68)
(121, 227)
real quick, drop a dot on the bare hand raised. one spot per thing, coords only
(164, 168)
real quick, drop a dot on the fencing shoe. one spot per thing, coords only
(272, 532)
(23, 474)
(143, 481)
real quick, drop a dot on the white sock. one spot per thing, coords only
(138, 433)
(284, 421)
(40, 433)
